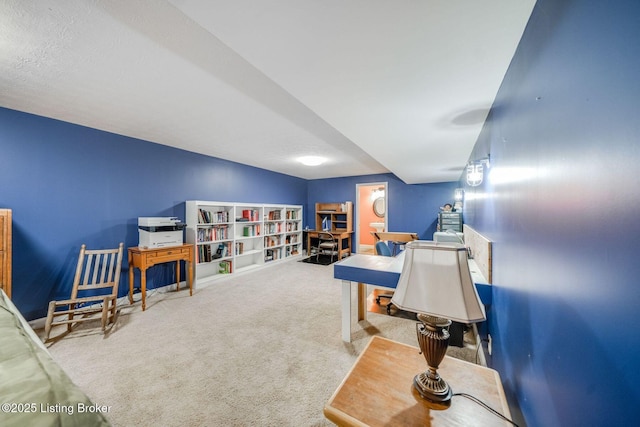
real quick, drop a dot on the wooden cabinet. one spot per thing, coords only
(234, 237)
(5, 251)
(339, 216)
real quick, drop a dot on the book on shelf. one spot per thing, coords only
(272, 254)
(206, 253)
(239, 248)
(270, 241)
(203, 254)
(216, 232)
(272, 227)
(274, 215)
(211, 217)
(250, 214)
(225, 267)
(251, 230)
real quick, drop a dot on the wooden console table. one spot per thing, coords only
(142, 259)
(378, 391)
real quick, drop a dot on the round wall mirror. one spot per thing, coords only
(379, 207)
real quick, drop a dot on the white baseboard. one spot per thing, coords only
(122, 301)
(365, 248)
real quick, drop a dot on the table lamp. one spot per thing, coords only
(436, 283)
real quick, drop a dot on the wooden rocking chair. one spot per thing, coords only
(97, 270)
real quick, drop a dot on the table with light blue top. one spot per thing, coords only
(384, 272)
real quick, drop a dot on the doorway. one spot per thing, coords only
(371, 214)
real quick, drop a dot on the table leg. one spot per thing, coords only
(346, 311)
(177, 276)
(143, 287)
(131, 268)
(190, 276)
(362, 301)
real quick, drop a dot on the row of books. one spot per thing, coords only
(251, 230)
(270, 241)
(250, 215)
(253, 215)
(274, 215)
(272, 227)
(292, 226)
(218, 232)
(225, 267)
(208, 253)
(239, 248)
(208, 217)
(272, 254)
(292, 238)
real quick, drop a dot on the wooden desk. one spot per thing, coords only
(340, 235)
(378, 391)
(142, 259)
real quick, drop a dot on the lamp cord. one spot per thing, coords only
(484, 405)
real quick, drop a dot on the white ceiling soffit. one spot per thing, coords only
(373, 86)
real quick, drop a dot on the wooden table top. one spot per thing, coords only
(378, 391)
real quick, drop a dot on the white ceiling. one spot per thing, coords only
(372, 85)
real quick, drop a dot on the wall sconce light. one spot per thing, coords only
(475, 171)
(458, 195)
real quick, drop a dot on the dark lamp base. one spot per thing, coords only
(433, 339)
(437, 391)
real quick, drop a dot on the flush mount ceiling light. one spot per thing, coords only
(312, 160)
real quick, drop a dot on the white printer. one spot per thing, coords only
(159, 232)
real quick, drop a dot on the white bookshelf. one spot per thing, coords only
(248, 235)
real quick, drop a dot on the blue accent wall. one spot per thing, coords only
(411, 207)
(69, 185)
(560, 203)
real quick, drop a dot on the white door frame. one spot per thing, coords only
(383, 184)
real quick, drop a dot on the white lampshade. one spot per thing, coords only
(436, 280)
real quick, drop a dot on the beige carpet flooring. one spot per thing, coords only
(257, 349)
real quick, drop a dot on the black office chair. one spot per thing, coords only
(382, 248)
